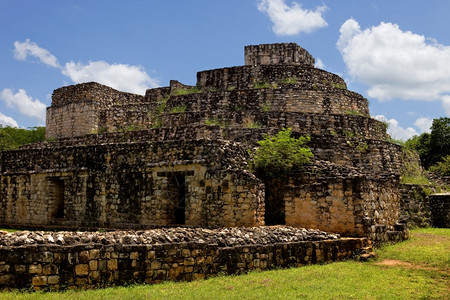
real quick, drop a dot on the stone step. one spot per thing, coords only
(367, 256)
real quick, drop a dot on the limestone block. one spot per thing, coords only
(35, 269)
(112, 264)
(82, 270)
(54, 279)
(39, 280)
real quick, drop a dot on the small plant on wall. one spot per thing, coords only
(280, 154)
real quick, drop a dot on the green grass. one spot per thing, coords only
(420, 271)
(179, 109)
(186, 91)
(427, 247)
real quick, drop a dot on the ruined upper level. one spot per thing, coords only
(276, 79)
(277, 54)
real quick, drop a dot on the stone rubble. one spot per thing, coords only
(223, 237)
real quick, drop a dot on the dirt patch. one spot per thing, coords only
(407, 265)
(396, 263)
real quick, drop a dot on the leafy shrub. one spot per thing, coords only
(281, 153)
(442, 167)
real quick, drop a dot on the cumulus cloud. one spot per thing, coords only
(446, 104)
(291, 20)
(395, 130)
(396, 63)
(7, 121)
(424, 124)
(28, 48)
(319, 64)
(24, 103)
(122, 77)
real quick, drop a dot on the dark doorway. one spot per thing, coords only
(56, 197)
(275, 212)
(177, 196)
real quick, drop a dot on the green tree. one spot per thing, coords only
(439, 140)
(281, 153)
(12, 138)
(434, 146)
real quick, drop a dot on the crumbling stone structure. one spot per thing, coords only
(177, 155)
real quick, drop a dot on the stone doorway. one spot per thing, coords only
(176, 195)
(177, 198)
(56, 197)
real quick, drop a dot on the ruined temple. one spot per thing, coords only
(178, 154)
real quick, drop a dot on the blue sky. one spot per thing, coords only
(394, 53)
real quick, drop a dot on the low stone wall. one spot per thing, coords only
(415, 205)
(440, 210)
(50, 265)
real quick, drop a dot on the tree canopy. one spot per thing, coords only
(434, 147)
(12, 138)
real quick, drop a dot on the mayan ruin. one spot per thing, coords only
(178, 156)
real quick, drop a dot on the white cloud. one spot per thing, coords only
(7, 121)
(291, 20)
(24, 103)
(27, 48)
(319, 64)
(396, 131)
(446, 104)
(395, 63)
(424, 124)
(119, 76)
(122, 77)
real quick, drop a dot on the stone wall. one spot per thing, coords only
(258, 101)
(307, 123)
(249, 77)
(72, 119)
(272, 54)
(100, 263)
(415, 205)
(440, 210)
(93, 91)
(115, 185)
(75, 108)
(339, 199)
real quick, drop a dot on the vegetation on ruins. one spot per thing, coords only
(338, 86)
(264, 85)
(12, 138)
(414, 269)
(290, 80)
(186, 91)
(179, 109)
(281, 153)
(215, 122)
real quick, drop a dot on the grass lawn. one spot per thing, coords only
(416, 269)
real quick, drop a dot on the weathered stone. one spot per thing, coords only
(39, 280)
(35, 269)
(112, 264)
(82, 270)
